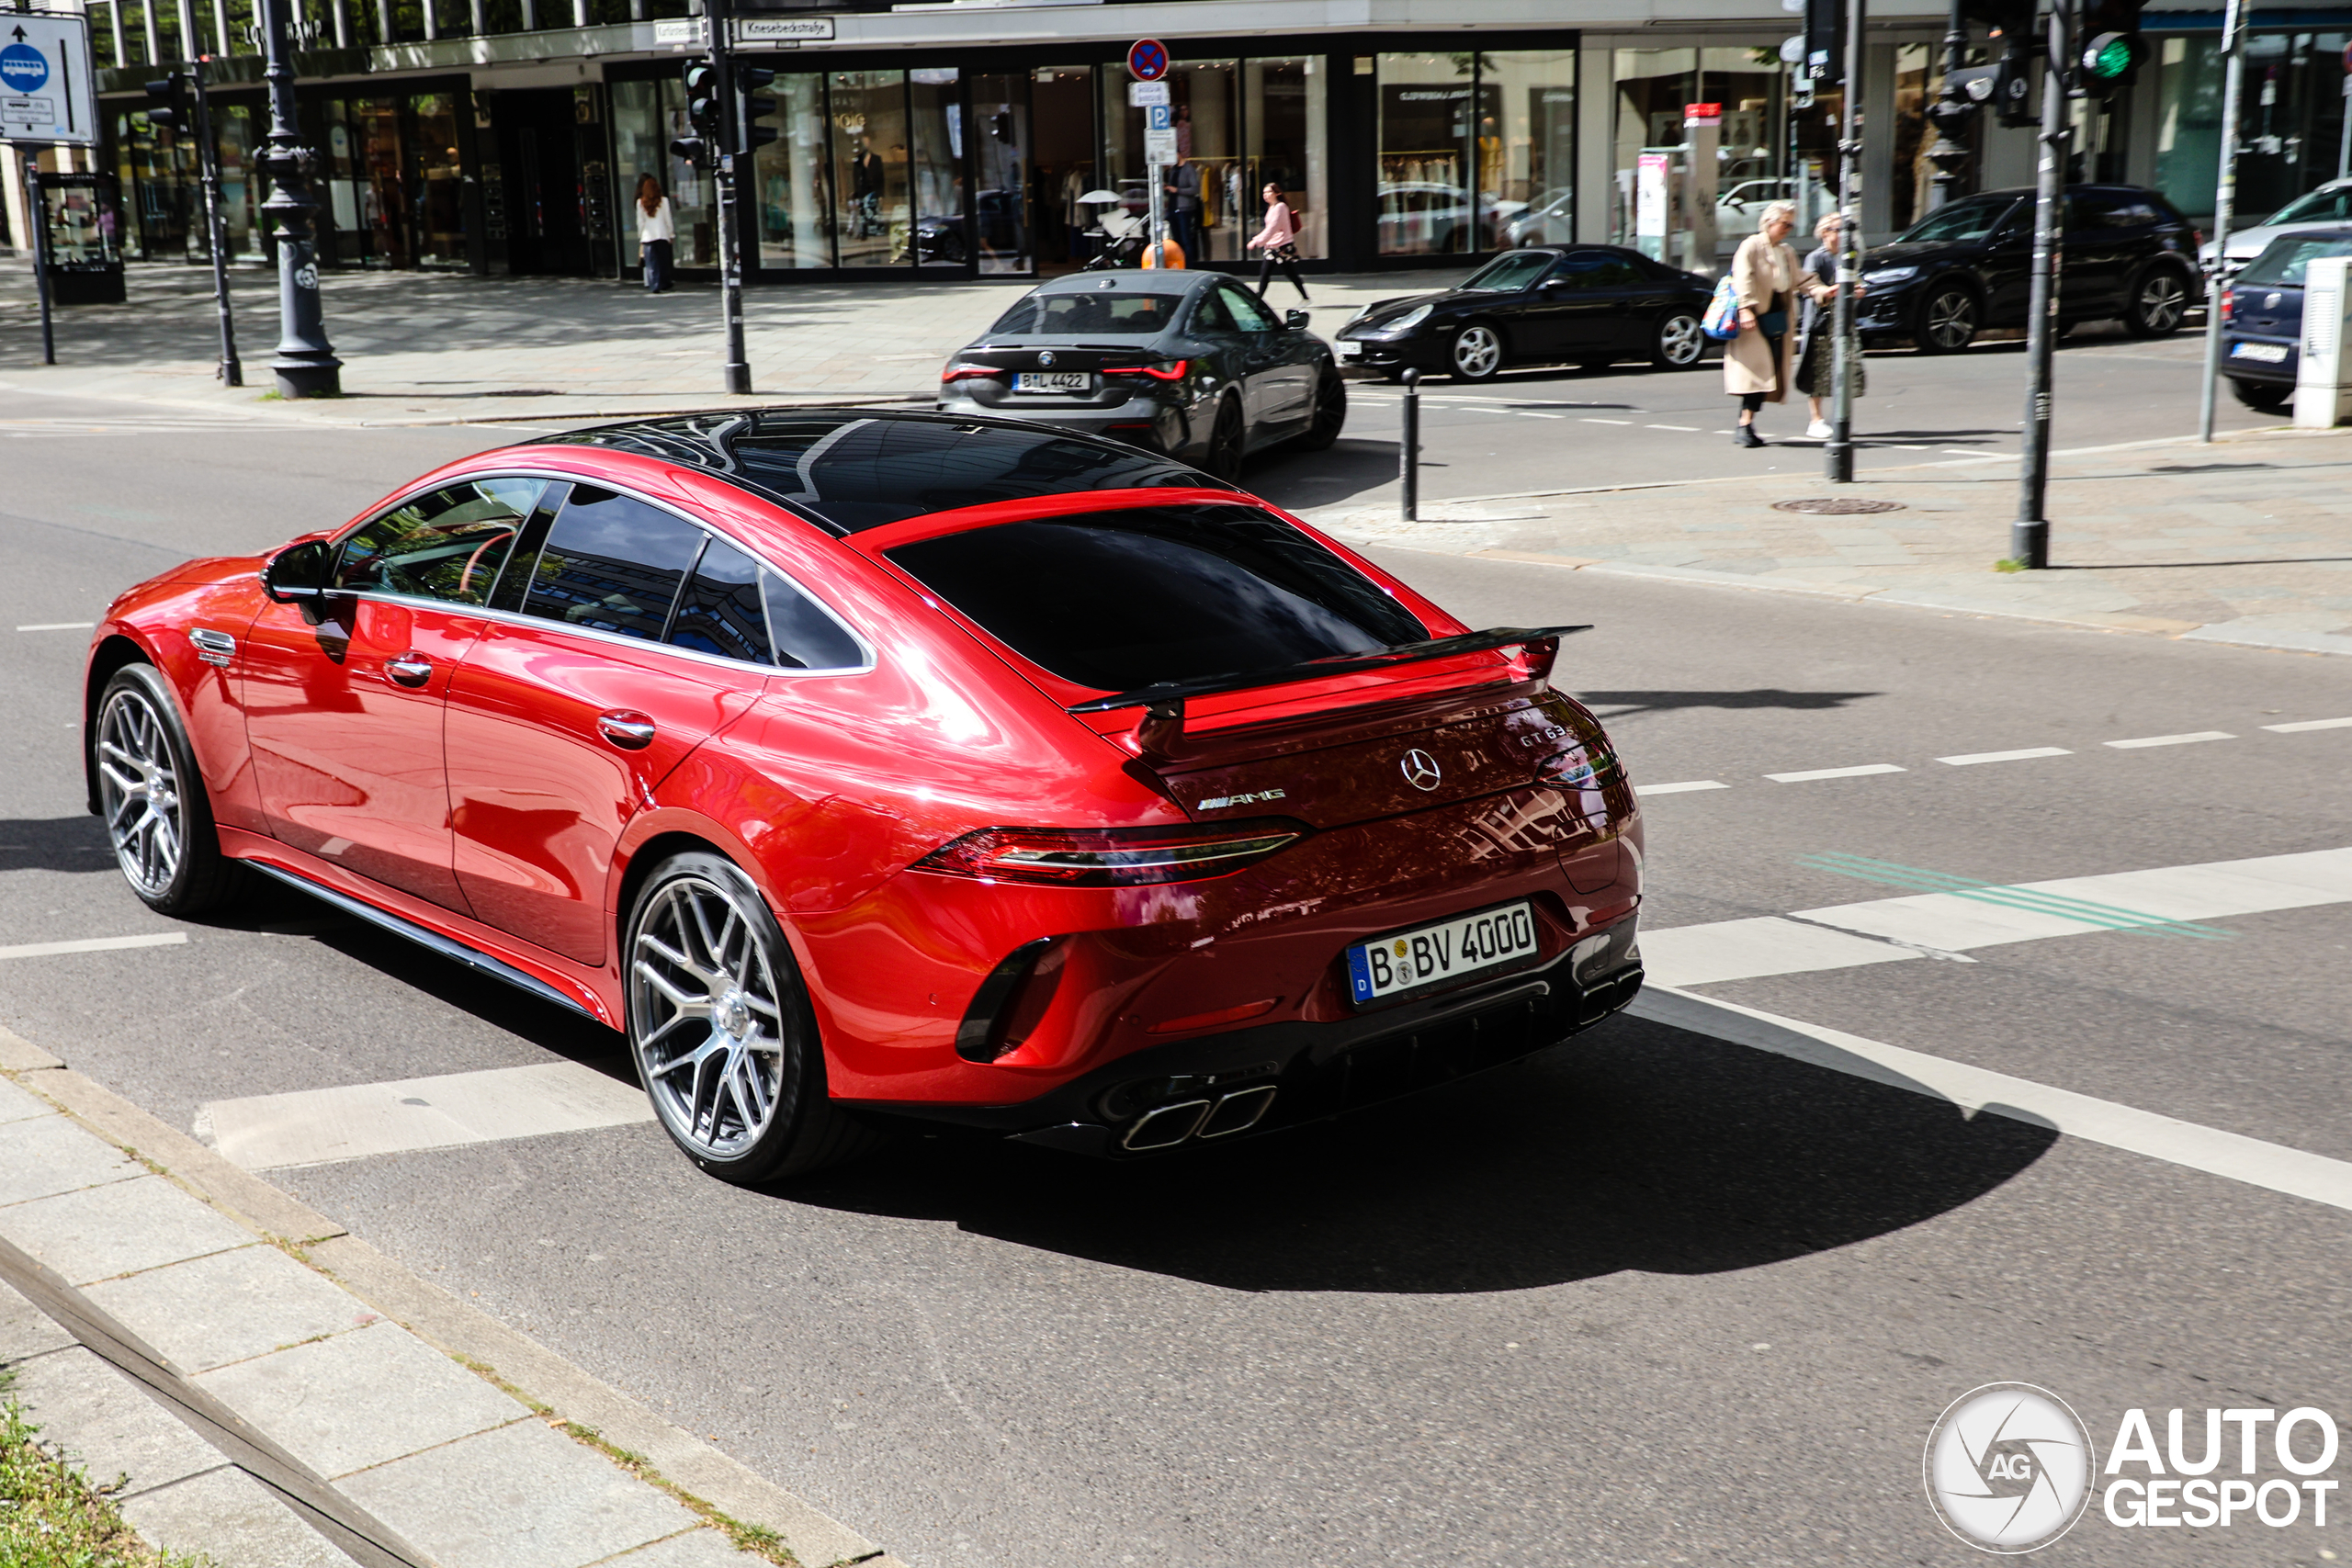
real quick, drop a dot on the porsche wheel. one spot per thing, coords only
(721, 1031)
(1330, 413)
(1678, 343)
(152, 798)
(1476, 354)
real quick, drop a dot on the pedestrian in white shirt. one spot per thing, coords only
(1279, 240)
(656, 234)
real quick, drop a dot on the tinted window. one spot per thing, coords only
(1210, 315)
(1115, 312)
(612, 564)
(1119, 600)
(1248, 314)
(1510, 273)
(805, 637)
(2286, 257)
(2110, 209)
(448, 545)
(1972, 219)
(721, 611)
(855, 471)
(1596, 269)
(2321, 206)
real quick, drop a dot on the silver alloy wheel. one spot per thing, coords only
(1951, 319)
(1477, 353)
(138, 792)
(2164, 299)
(705, 1020)
(1679, 340)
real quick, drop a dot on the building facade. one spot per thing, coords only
(961, 138)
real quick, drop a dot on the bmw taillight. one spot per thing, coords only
(1110, 857)
(1169, 370)
(966, 370)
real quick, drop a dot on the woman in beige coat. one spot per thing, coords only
(1759, 365)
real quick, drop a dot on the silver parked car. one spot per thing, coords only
(1191, 364)
(2328, 206)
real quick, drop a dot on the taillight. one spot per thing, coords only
(1110, 857)
(1172, 371)
(964, 370)
(1581, 767)
(2228, 303)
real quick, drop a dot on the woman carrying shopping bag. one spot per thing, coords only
(656, 232)
(1279, 240)
(1817, 345)
(1760, 362)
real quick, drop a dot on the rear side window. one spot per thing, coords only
(448, 545)
(612, 564)
(737, 609)
(1118, 600)
(2285, 261)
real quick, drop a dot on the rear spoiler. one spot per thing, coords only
(1164, 702)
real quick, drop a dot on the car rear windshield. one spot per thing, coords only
(1120, 600)
(2284, 261)
(1124, 313)
(1969, 219)
(851, 471)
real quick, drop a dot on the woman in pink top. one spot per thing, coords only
(1279, 240)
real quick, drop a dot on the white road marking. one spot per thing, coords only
(93, 944)
(2172, 739)
(2231, 1156)
(1970, 758)
(1687, 429)
(1678, 788)
(1812, 773)
(1589, 420)
(2311, 724)
(59, 627)
(324, 1125)
(1840, 936)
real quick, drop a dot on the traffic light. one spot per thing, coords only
(702, 113)
(748, 80)
(167, 104)
(1824, 44)
(2113, 49)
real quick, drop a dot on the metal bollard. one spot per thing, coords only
(1409, 450)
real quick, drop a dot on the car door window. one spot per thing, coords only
(448, 544)
(612, 563)
(1209, 314)
(1248, 314)
(1596, 269)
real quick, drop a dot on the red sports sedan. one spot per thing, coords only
(867, 765)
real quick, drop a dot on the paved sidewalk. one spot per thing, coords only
(279, 1395)
(423, 348)
(2248, 540)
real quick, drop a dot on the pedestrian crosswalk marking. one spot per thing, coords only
(322, 1126)
(1809, 774)
(93, 944)
(2172, 740)
(1888, 874)
(1971, 759)
(2311, 724)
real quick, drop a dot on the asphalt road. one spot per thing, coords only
(1648, 1298)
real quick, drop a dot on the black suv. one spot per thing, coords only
(1969, 265)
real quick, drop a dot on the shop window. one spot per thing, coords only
(1284, 122)
(341, 237)
(242, 190)
(647, 116)
(439, 185)
(1527, 147)
(383, 205)
(935, 168)
(1002, 154)
(1204, 194)
(1426, 156)
(874, 225)
(789, 175)
(2290, 125)
(1062, 167)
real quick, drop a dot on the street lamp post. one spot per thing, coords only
(2225, 202)
(306, 365)
(2029, 534)
(1950, 154)
(1837, 455)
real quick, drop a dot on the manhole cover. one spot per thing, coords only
(1837, 506)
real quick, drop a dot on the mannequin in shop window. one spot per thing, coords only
(865, 189)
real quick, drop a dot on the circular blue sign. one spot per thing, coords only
(1147, 60)
(23, 67)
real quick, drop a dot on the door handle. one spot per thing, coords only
(627, 729)
(410, 668)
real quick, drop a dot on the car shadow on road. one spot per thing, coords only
(1624, 705)
(1636, 1148)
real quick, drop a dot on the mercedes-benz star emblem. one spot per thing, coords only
(1046, 357)
(1421, 769)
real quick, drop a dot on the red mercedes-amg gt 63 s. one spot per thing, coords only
(867, 765)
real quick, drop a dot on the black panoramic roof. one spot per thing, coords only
(850, 470)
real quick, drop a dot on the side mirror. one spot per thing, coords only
(1295, 321)
(297, 573)
(1550, 284)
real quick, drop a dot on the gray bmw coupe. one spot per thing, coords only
(1191, 364)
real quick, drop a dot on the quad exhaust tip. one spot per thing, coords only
(1164, 1126)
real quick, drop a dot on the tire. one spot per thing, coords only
(721, 1031)
(1948, 319)
(152, 800)
(1676, 343)
(1330, 414)
(2263, 397)
(1475, 352)
(1228, 442)
(2158, 304)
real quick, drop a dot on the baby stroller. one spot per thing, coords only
(1119, 236)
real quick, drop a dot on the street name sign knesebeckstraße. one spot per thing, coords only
(781, 32)
(45, 79)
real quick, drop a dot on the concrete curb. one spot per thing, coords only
(264, 1327)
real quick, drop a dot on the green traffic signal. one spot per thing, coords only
(2113, 59)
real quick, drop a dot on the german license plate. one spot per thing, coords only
(1347, 348)
(1052, 381)
(2267, 353)
(1430, 955)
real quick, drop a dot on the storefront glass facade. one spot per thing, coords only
(2290, 122)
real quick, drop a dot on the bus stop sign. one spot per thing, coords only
(1147, 60)
(45, 78)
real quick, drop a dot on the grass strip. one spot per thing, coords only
(52, 1516)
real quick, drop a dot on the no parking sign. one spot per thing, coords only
(1147, 60)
